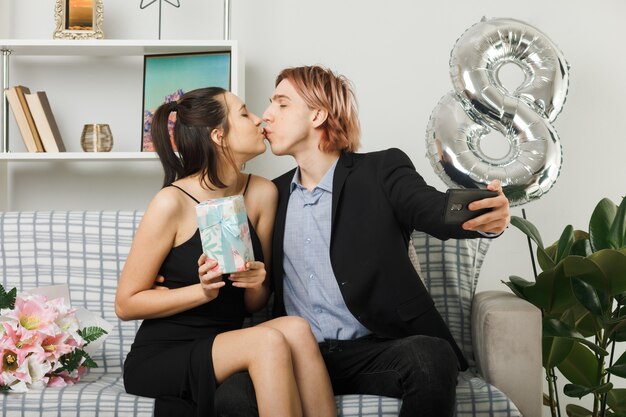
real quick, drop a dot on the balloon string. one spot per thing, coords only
(530, 248)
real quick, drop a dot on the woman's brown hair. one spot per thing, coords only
(198, 112)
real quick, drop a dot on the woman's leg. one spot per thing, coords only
(312, 378)
(265, 354)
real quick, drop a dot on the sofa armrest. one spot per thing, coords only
(506, 334)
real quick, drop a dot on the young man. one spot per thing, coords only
(340, 249)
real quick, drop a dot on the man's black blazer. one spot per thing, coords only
(378, 200)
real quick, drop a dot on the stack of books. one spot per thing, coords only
(35, 119)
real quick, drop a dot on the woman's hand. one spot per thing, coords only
(210, 277)
(253, 278)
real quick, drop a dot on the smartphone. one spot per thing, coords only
(457, 200)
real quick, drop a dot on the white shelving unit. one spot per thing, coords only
(113, 47)
(13, 49)
(78, 156)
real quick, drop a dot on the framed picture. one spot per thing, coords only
(78, 19)
(167, 77)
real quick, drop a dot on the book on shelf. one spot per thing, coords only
(44, 119)
(16, 96)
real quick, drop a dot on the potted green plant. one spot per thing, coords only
(581, 292)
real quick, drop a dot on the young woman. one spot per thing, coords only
(191, 337)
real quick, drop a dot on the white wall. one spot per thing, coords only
(396, 53)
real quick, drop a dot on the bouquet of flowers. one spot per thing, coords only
(41, 343)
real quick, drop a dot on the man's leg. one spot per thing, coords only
(421, 370)
(235, 397)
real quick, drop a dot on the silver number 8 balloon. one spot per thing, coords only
(480, 103)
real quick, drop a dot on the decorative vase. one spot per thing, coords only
(96, 138)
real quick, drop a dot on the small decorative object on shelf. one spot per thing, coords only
(78, 19)
(96, 138)
(146, 3)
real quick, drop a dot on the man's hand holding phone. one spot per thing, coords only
(478, 210)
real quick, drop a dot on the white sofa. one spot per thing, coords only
(499, 333)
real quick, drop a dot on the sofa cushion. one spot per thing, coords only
(474, 398)
(450, 272)
(97, 394)
(86, 250)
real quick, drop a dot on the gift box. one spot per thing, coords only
(225, 234)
